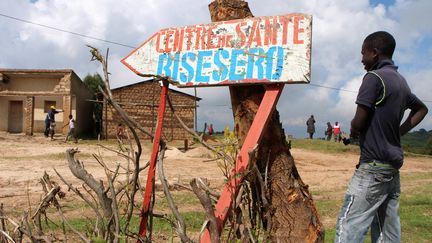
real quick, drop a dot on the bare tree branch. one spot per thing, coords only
(115, 151)
(104, 200)
(113, 194)
(79, 172)
(203, 195)
(193, 133)
(130, 122)
(8, 238)
(43, 205)
(180, 225)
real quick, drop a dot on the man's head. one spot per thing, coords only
(70, 116)
(376, 46)
(52, 107)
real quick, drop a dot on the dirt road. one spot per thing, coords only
(24, 159)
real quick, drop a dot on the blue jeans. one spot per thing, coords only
(372, 200)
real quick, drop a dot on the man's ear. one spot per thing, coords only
(376, 53)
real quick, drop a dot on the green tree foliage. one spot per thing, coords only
(93, 82)
(230, 147)
(428, 147)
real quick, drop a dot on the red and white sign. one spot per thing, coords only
(273, 49)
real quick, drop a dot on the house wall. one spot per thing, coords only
(35, 87)
(33, 84)
(4, 110)
(141, 102)
(82, 107)
(40, 114)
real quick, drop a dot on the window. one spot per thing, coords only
(48, 104)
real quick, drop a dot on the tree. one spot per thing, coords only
(93, 82)
(293, 215)
(422, 131)
(428, 147)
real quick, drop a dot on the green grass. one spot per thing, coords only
(324, 146)
(420, 154)
(193, 221)
(415, 209)
(181, 198)
(51, 156)
(415, 206)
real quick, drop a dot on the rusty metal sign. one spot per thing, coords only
(274, 49)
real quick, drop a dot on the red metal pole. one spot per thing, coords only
(266, 108)
(153, 159)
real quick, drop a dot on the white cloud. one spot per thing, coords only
(339, 27)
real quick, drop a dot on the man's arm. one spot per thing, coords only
(418, 112)
(359, 121)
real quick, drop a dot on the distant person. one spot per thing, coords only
(329, 131)
(71, 132)
(310, 123)
(372, 198)
(98, 125)
(52, 130)
(205, 127)
(336, 132)
(210, 129)
(50, 122)
(120, 132)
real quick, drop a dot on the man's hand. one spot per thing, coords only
(346, 141)
(418, 112)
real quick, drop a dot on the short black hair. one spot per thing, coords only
(70, 116)
(383, 41)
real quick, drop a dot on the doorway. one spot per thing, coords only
(15, 118)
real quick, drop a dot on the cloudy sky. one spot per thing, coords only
(29, 40)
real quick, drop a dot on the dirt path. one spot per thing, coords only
(23, 161)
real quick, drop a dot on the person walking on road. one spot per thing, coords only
(310, 123)
(71, 133)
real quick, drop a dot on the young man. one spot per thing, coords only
(71, 132)
(372, 198)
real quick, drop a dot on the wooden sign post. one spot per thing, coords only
(265, 50)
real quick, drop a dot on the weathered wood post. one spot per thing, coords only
(294, 217)
(262, 55)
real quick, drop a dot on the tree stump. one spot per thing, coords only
(293, 215)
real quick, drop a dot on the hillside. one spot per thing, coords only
(418, 142)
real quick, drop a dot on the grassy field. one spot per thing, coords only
(415, 212)
(415, 209)
(415, 202)
(415, 205)
(324, 146)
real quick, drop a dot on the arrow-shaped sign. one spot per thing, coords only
(255, 50)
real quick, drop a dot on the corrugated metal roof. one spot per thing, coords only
(13, 70)
(152, 80)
